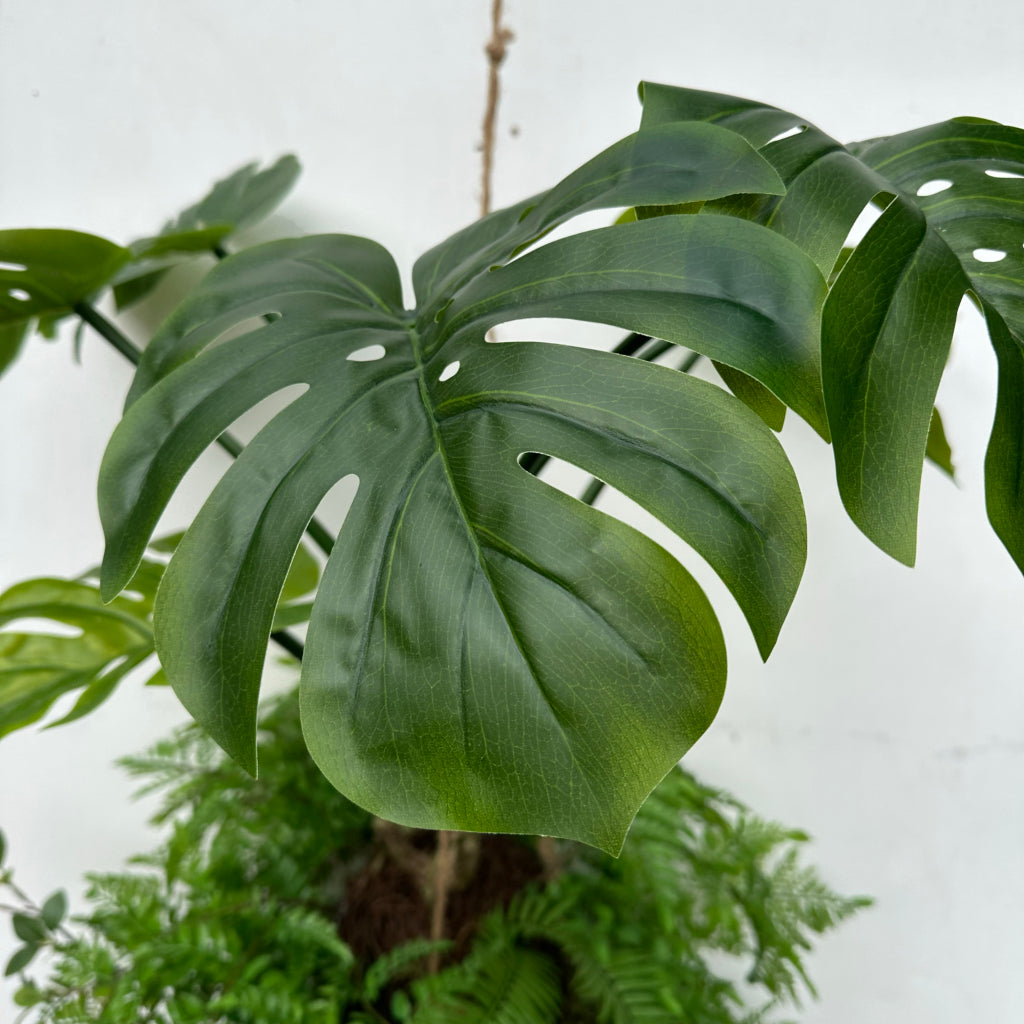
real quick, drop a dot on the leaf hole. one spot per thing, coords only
(993, 173)
(449, 371)
(934, 187)
(19, 293)
(367, 354)
(243, 327)
(16, 267)
(862, 225)
(989, 255)
(788, 134)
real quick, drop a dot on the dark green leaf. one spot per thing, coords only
(473, 626)
(54, 909)
(885, 339)
(980, 218)
(673, 164)
(22, 957)
(29, 929)
(956, 222)
(3, 848)
(12, 335)
(938, 451)
(722, 287)
(45, 272)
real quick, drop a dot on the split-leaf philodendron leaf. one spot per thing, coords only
(953, 221)
(484, 652)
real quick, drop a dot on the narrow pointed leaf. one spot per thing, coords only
(938, 451)
(885, 340)
(12, 336)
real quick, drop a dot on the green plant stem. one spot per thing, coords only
(316, 530)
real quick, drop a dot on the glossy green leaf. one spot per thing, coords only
(235, 202)
(484, 652)
(44, 272)
(938, 452)
(954, 220)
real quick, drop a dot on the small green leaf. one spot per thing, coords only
(938, 451)
(45, 272)
(28, 995)
(54, 909)
(21, 959)
(3, 847)
(29, 928)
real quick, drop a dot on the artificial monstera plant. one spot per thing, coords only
(485, 652)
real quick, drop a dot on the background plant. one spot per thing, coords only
(236, 917)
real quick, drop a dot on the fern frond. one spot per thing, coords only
(398, 963)
(517, 985)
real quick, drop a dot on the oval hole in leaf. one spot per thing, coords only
(19, 293)
(253, 323)
(993, 173)
(12, 266)
(574, 333)
(43, 627)
(449, 371)
(789, 133)
(934, 187)
(254, 419)
(368, 354)
(989, 255)
(862, 225)
(335, 504)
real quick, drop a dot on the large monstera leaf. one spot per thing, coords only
(953, 221)
(484, 652)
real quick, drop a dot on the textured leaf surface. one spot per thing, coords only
(484, 652)
(954, 220)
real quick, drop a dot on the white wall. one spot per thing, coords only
(888, 722)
